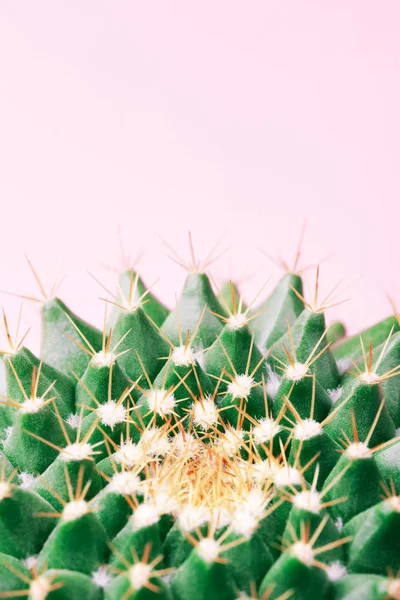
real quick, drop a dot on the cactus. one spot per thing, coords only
(221, 450)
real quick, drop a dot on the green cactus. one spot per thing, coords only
(215, 451)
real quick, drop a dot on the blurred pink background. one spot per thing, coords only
(243, 118)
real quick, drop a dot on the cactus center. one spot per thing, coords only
(144, 516)
(103, 359)
(32, 405)
(111, 413)
(308, 500)
(128, 454)
(5, 490)
(208, 549)
(190, 517)
(74, 510)
(240, 386)
(161, 401)
(183, 356)
(358, 450)
(205, 414)
(237, 321)
(265, 430)
(139, 575)
(303, 552)
(124, 483)
(296, 371)
(307, 429)
(287, 475)
(77, 451)
(39, 588)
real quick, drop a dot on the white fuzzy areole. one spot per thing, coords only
(128, 454)
(231, 441)
(237, 321)
(77, 451)
(296, 372)
(39, 588)
(208, 549)
(265, 430)
(139, 575)
(124, 483)
(264, 469)
(307, 429)
(101, 577)
(154, 442)
(189, 517)
(394, 589)
(161, 401)
(240, 386)
(111, 413)
(335, 394)
(31, 562)
(336, 571)
(31, 405)
(184, 443)
(308, 500)
(144, 516)
(26, 480)
(273, 382)
(303, 552)
(339, 524)
(103, 359)
(183, 356)
(244, 522)
(205, 413)
(358, 450)
(370, 378)
(5, 490)
(287, 475)
(74, 510)
(73, 420)
(394, 503)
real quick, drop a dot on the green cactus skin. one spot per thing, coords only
(350, 348)
(375, 546)
(141, 340)
(200, 580)
(57, 350)
(289, 573)
(22, 532)
(388, 460)
(336, 332)
(201, 453)
(283, 305)
(197, 293)
(77, 545)
(359, 484)
(21, 365)
(28, 452)
(228, 290)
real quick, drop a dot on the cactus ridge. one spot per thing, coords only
(223, 450)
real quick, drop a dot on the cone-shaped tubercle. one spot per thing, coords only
(143, 343)
(281, 306)
(307, 333)
(128, 285)
(197, 293)
(350, 348)
(57, 349)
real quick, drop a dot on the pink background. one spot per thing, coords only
(243, 118)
